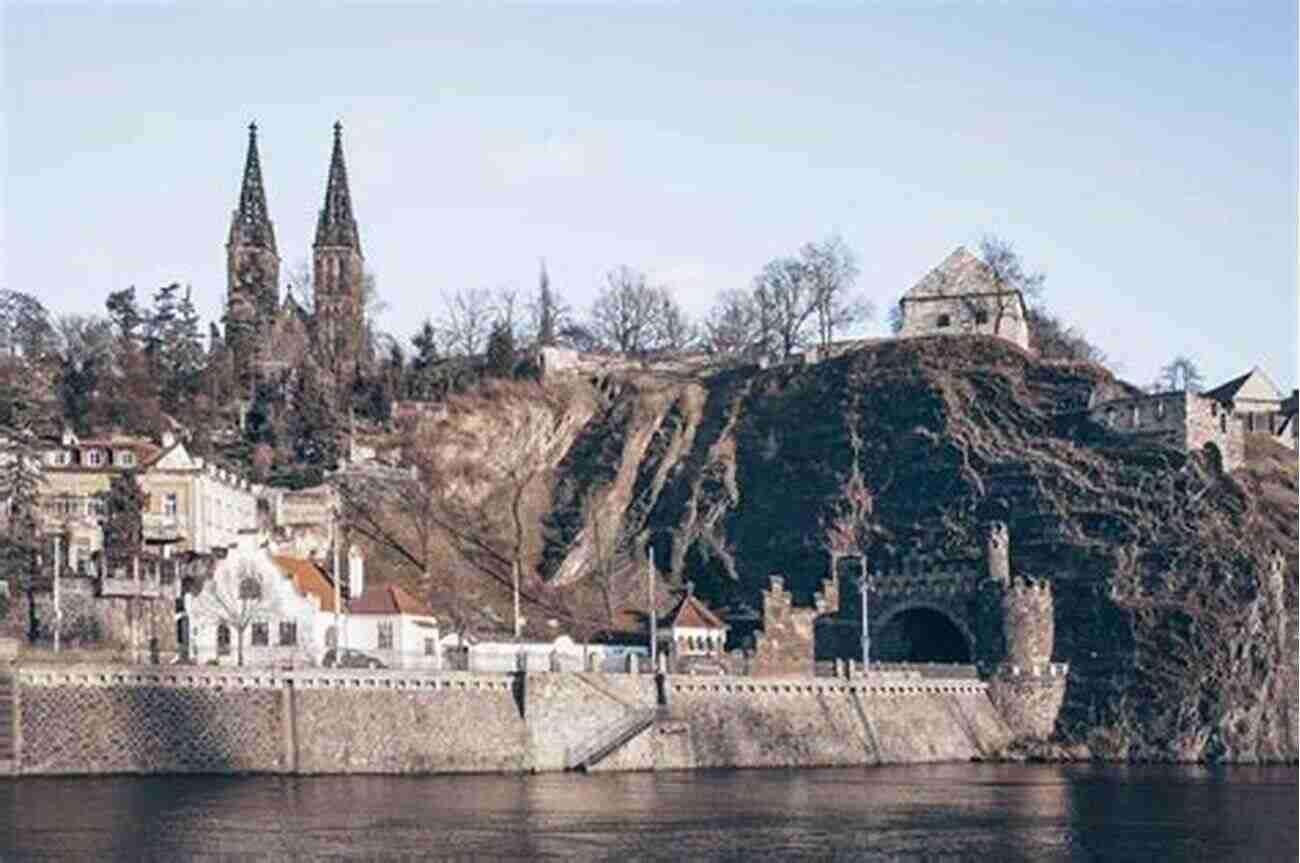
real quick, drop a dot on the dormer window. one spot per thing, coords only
(125, 458)
(95, 457)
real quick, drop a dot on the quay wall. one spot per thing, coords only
(104, 720)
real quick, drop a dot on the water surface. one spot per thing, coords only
(944, 812)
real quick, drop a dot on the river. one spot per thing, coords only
(952, 812)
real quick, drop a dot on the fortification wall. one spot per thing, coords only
(800, 722)
(89, 720)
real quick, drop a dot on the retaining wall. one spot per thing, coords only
(90, 720)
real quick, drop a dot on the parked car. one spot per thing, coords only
(349, 658)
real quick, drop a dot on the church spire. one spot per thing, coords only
(251, 225)
(336, 225)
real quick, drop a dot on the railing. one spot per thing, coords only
(147, 587)
(158, 525)
(609, 740)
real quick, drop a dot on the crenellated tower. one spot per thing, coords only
(338, 273)
(252, 268)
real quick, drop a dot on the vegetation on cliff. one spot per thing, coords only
(1181, 647)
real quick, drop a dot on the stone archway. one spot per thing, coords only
(920, 632)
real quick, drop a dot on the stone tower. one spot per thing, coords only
(252, 269)
(338, 273)
(998, 553)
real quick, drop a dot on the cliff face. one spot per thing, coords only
(1181, 643)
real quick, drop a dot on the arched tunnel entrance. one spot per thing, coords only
(920, 635)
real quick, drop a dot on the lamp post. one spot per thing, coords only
(338, 577)
(864, 589)
(650, 609)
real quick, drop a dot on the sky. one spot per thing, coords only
(1142, 155)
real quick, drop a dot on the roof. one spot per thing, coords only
(389, 599)
(961, 273)
(308, 578)
(1226, 392)
(689, 611)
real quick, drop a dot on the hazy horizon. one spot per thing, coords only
(1143, 157)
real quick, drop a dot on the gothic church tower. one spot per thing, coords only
(252, 269)
(337, 273)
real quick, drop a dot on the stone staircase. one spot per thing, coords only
(609, 739)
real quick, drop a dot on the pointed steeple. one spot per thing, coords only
(251, 225)
(336, 225)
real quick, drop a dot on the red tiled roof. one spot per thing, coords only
(689, 611)
(308, 578)
(389, 599)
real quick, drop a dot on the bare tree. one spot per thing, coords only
(1008, 277)
(786, 302)
(831, 271)
(1181, 373)
(1053, 339)
(467, 321)
(628, 313)
(236, 598)
(732, 326)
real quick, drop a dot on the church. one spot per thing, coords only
(265, 335)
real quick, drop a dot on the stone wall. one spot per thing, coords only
(89, 619)
(88, 719)
(1179, 419)
(787, 643)
(799, 722)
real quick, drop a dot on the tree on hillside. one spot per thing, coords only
(466, 321)
(124, 506)
(832, 271)
(1007, 274)
(550, 317)
(501, 351)
(785, 304)
(25, 327)
(732, 326)
(1181, 373)
(85, 355)
(633, 317)
(21, 482)
(1053, 339)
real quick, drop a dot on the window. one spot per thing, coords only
(1110, 416)
(169, 503)
(943, 321)
(332, 637)
(223, 640)
(385, 636)
(1137, 415)
(261, 634)
(94, 457)
(1160, 410)
(125, 458)
(288, 633)
(250, 588)
(430, 647)
(981, 316)
(1223, 422)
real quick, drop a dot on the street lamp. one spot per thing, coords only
(864, 589)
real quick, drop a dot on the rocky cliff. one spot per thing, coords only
(1180, 633)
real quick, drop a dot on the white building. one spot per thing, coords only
(394, 627)
(691, 629)
(266, 610)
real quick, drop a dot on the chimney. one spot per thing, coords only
(356, 572)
